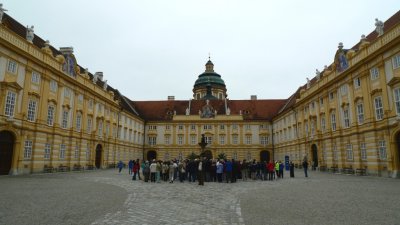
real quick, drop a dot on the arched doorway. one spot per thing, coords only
(6, 151)
(208, 154)
(99, 149)
(264, 156)
(314, 151)
(151, 155)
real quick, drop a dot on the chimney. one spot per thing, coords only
(67, 50)
(253, 97)
(171, 98)
(99, 75)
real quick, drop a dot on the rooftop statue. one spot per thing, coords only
(379, 27)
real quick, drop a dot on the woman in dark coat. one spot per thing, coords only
(291, 169)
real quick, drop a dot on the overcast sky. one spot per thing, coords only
(149, 49)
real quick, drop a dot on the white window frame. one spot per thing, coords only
(35, 77)
(167, 139)
(12, 66)
(235, 139)
(64, 121)
(346, 117)
(349, 152)
(53, 86)
(180, 139)
(50, 115)
(222, 139)
(363, 151)
(396, 95)
(360, 113)
(333, 121)
(396, 61)
(31, 115)
(76, 153)
(100, 129)
(28, 149)
(47, 151)
(10, 103)
(323, 123)
(378, 108)
(374, 72)
(89, 126)
(78, 121)
(193, 139)
(357, 82)
(382, 150)
(62, 151)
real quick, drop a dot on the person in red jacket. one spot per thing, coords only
(135, 169)
(271, 168)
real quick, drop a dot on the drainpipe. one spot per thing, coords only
(144, 139)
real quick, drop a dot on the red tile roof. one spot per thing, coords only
(250, 109)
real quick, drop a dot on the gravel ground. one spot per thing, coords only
(106, 197)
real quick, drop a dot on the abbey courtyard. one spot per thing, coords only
(63, 130)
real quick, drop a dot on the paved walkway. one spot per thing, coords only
(106, 197)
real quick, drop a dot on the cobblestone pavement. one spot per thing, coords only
(106, 197)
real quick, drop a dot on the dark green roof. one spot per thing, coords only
(209, 78)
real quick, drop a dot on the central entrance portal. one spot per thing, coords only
(6, 151)
(99, 149)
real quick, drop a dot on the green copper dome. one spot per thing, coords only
(209, 77)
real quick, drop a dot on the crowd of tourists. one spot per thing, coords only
(205, 170)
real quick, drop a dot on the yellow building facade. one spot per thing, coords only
(57, 116)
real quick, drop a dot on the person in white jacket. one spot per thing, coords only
(172, 167)
(153, 170)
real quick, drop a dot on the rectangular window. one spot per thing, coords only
(234, 126)
(87, 151)
(207, 127)
(323, 123)
(65, 116)
(378, 108)
(89, 125)
(357, 83)
(167, 127)
(180, 127)
(248, 140)
(10, 104)
(152, 140)
(397, 100)
(234, 139)
(62, 151)
(193, 127)
(343, 89)
(209, 140)
(333, 121)
(12, 66)
(382, 150)
(321, 101)
(360, 113)
(193, 139)
(28, 149)
(53, 86)
(222, 139)
(180, 140)
(31, 110)
(47, 151)
(331, 96)
(78, 122)
(335, 153)
(222, 127)
(396, 61)
(108, 129)
(50, 115)
(349, 151)
(67, 92)
(363, 150)
(346, 118)
(167, 139)
(80, 99)
(100, 129)
(374, 72)
(247, 127)
(76, 153)
(263, 140)
(35, 77)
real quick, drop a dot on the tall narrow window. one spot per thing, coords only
(62, 151)
(31, 111)
(47, 151)
(349, 151)
(88, 152)
(10, 104)
(222, 139)
(374, 72)
(235, 139)
(12, 66)
(248, 140)
(335, 153)
(360, 113)
(396, 61)
(100, 128)
(65, 115)
(193, 139)
(78, 122)
(346, 118)
(382, 150)
(357, 83)
(50, 115)
(53, 86)
(397, 100)
(363, 150)
(378, 108)
(76, 153)
(323, 123)
(89, 125)
(333, 121)
(28, 149)
(180, 139)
